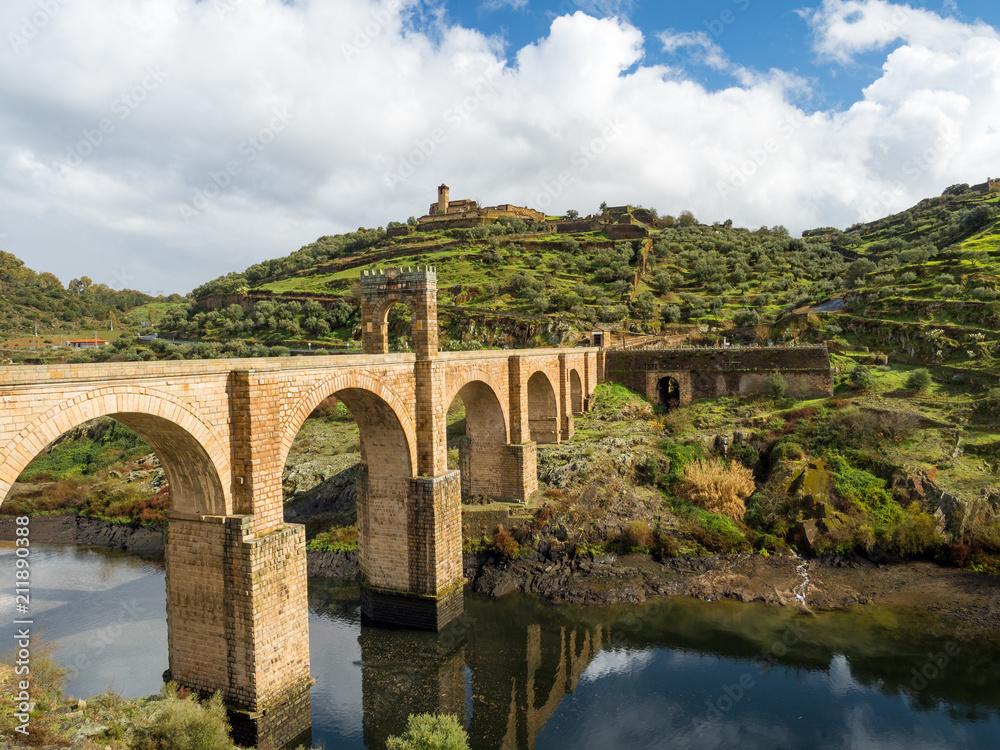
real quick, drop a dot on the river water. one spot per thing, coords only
(678, 673)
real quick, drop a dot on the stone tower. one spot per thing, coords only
(442, 199)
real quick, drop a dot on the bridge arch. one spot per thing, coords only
(482, 455)
(575, 392)
(351, 388)
(194, 459)
(543, 409)
(485, 414)
(388, 464)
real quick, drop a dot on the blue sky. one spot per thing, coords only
(754, 34)
(157, 144)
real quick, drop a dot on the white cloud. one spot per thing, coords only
(698, 46)
(844, 28)
(370, 92)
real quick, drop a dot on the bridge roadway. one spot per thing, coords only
(236, 574)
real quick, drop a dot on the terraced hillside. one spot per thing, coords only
(923, 282)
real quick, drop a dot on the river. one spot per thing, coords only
(677, 673)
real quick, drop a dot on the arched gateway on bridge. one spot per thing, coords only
(237, 612)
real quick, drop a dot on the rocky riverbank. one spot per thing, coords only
(819, 583)
(72, 529)
(972, 600)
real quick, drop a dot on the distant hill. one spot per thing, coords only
(29, 299)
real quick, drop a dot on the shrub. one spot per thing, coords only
(747, 455)
(280, 351)
(951, 290)
(717, 488)
(913, 533)
(185, 724)
(918, 380)
(862, 378)
(855, 427)
(865, 492)
(723, 526)
(505, 543)
(636, 536)
(775, 386)
(430, 732)
(717, 533)
(787, 452)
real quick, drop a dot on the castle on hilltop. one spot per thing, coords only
(992, 185)
(449, 214)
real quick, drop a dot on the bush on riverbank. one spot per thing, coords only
(181, 722)
(44, 686)
(717, 488)
(430, 732)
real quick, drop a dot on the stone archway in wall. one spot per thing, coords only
(194, 459)
(543, 412)
(414, 287)
(668, 393)
(575, 392)
(483, 455)
(388, 461)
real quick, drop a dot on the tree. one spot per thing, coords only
(687, 219)
(857, 269)
(747, 317)
(572, 213)
(604, 207)
(775, 386)
(430, 732)
(663, 280)
(644, 305)
(918, 380)
(671, 314)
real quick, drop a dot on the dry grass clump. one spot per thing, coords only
(717, 488)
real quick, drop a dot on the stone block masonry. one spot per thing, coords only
(705, 373)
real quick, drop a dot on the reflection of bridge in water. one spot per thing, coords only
(520, 673)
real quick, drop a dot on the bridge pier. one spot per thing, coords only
(237, 621)
(504, 472)
(427, 594)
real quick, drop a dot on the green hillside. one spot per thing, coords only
(31, 301)
(931, 272)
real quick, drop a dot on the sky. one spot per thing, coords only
(157, 144)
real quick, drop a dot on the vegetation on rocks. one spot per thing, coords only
(175, 719)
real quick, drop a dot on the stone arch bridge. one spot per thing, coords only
(237, 611)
